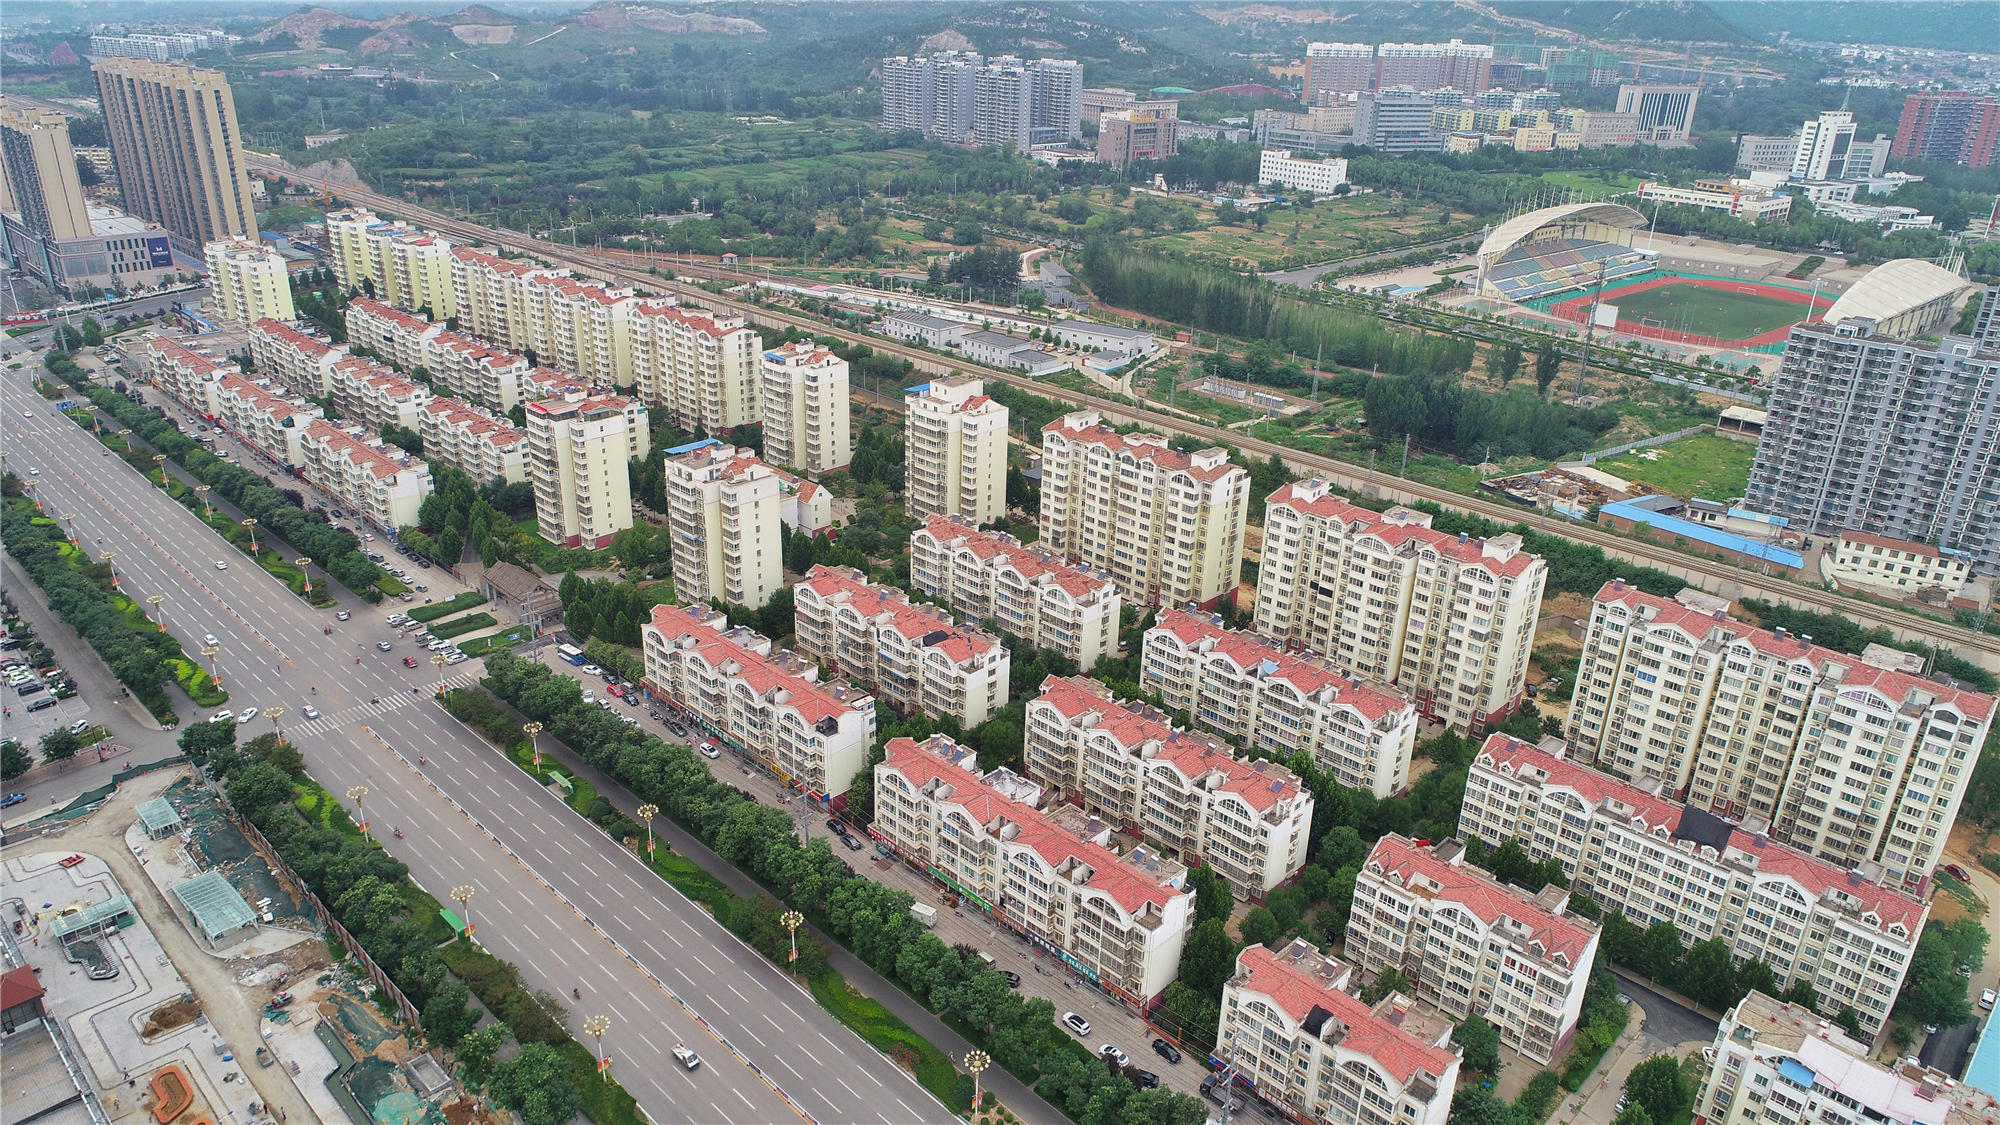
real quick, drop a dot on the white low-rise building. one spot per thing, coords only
(1120, 921)
(915, 655)
(1122, 760)
(804, 507)
(922, 328)
(1860, 559)
(487, 448)
(1279, 168)
(1011, 353)
(384, 485)
(1024, 591)
(773, 706)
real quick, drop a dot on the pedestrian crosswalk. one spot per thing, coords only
(334, 720)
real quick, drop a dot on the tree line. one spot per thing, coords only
(1444, 413)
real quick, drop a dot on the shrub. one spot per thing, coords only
(447, 607)
(445, 630)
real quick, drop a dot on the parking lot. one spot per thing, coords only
(40, 698)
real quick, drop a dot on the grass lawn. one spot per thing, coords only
(1594, 182)
(1710, 312)
(479, 646)
(1711, 467)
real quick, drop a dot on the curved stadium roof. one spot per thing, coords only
(1895, 287)
(1508, 234)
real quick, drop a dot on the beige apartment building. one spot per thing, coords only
(772, 707)
(398, 337)
(299, 358)
(1631, 849)
(370, 393)
(264, 417)
(249, 282)
(492, 378)
(805, 408)
(41, 181)
(1048, 875)
(702, 368)
(176, 148)
(582, 326)
(494, 295)
(1471, 945)
(1250, 689)
(1167, 526)
(384, 485)
(1291, 1026)
(192, 378)
(915, 655)
(1123, 761)
(487, 448)
(1024, 591)
(724, 513)
(578, 450)
(392, 262)
(1449, 619)
(1851, 759)
(955, 450)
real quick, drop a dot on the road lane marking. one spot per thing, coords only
(849, 1089)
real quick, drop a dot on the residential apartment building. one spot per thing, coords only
(158, 46)
(955, 450)
(1167, 526)
(805, 408)
(1472, 946)
(581, 326)
(1250, 689)
(915, 655)
(40, 177)
(398, 337)
(175, 145)
(487, 448)
(249, 282)
(961, 97)
(1860, 559)
(703, 369)
(1847, 759)
(383, 484)
(1148, 132)
(264, 417)
(1825, 461)
(495, 295)
(578, 449)
(723, 512)
(1446, 618)
(1122, 761)
(1629, 848)
(1022, 591)
(1320, 177)
(1292, 1029)
(1775, 1063)
(804, 507)
(1666, 113)
(771, 706)
(371, 394)
(392, 262)
(490, 377)
(1119, 921)
(1949, 126)
(192, 377)
(300, 358)
(1335, 70)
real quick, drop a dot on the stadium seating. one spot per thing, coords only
(1550, 266)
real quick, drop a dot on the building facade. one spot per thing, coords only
(1395, 120)
(723, 512)
(39, 167)
(1950, 126)
(918, 659)
(1740, 198)
(955, 450)
(1666, 113)
(299, 358)
(1148, 132)
(961, 97)
(266, 418)
(1860, 559)
(1023, 591)
(176, 147)
(383, 484)
(399, 337)
(487, 448)
(1320, 177)
(249, 282)
(578, 449)
(702, 369)
(806, 408)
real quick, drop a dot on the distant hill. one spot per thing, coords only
(1648, 21)
(323, 28)
(621, 15)
(1947, 24)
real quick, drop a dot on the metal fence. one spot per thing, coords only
(1657, 439)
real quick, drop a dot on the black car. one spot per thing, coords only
(29, 688)
(1013, 979)
(1144, 1079)
(834, 825)
(853, 844)
(1166, 1050)
(44, 703)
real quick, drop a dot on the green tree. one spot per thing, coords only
(1933, 992)
(1506, 364)
(1208, 958)
(1478, 1105)
(203, 739)
(259, 787)
(60, 745)
(536, 1084)
(449, 1015)
(1633, 1114)
(1659, 952)
(1548, 365)
(1481, 1041)
(1387, 981)
(1705, 974)
(14, 761)
(1850, 1021)
(1212, 898)
(1261, 927)
(1659, 1085)
(476, 1051)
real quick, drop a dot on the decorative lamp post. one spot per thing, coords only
(110, 559)
(201, 490)
(277, 713)
(595, 1027)
(792, 920)
(437, 660)
(302, 564)
(214, 670)
(251, 523)
(69, 519)
(160, 459)
(357, 794)
(159, 615)
(462, 895)
(976, 1061)
(647, 813)
(531, 730)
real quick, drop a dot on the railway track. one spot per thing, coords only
(1716, 577)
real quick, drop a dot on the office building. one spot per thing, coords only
(1123, 762)
(176, 148)
(1775, 1063)
(40, 169)
(487, 448)
(723, 514)
(1666, 113)
(702, 369)
(1167, 526)
(954, 450)
(1119, 921)
(1024, 591)
(770, 706)
(381, 483)
(1749, 722)
(1822, 149)
(1148, 132)
(296, 357)
(1294, 1030)
(1447, 618)
(1629, 848)
(1334, 70)
(1948, 126)
(963, 98)
(1471, 946)
(805, 408)
(1899, 565)
(1759, 153)
(918, 659)
(1883, 360)
(1320, 177)
(578, 450)
(1395, 120)
(1597, 128)
(1741, 198)
(1250, 689)
(249, 282)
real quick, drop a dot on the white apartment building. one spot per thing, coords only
(300, 359)
(703, 369)
(490, 377)
(1279, 167)
(1847, 759)
(1291, 1027)
(915, 655)
(1448, 619)
(1885, 563)
(249, 281)
(955, 450)
(1167, 525)
(398, 337)
(371, 394)
(814, 735)
(1472, 946)
(1774, 1063)
(804, 507)
(586, 328)
(724, 513)
(1121, 760)
(495, 295)
(487, 448)
(191, 377)
(386, 486)
(805, 408)
(1250, 689)
(392, 262)
(1120, 921)
(1630, 849)
(578, 451)
(266, 418)
(1023, 591)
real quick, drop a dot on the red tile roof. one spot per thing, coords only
(1396, 527)
(1298, 992)
(1399, 858)
(1313, 678)
(359, 452)
(302, 342)
(409, 322)
(1139, 447)
(892, 607)
(18, 986)
(812, 700)
(1037, 567)
(1889, 543)
(697, 320)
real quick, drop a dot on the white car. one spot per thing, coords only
(222, 717)
(709, 751)
(342, 615)
(1111, 1052)
(456, 658)
(247, 714)
(589, 697)
(310, 712)
(209, 639)
(220, 565)
(33, 472)
(1076, 1023)
(1986, 998)
(686, 1056)
(592, 670)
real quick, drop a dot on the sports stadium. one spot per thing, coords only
(1552, 260)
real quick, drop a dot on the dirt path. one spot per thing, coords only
(222, 1000)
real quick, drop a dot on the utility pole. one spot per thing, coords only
(1404, 472)
(1590, 329)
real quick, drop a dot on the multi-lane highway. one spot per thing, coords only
(552, 894)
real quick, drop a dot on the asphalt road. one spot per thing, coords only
(551, 893)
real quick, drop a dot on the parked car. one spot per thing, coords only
(223, 717)
(1986, 997)
(1958, 873)
(1076, 1023)
(456, 658)
(591, 670)
(1144, 1079)
(1118, 1058)
(12, 799)
(1166, 1051)
(709, 751)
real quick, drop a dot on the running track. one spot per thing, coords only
(1578, 309)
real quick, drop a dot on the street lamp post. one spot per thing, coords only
(437, 660)
(647, 813)
(595, 1027)
(302, 564)
(159, 615)
(69, 520)
(975, 1062)
(277, 713)
(792, 920)
(201, 490)
(251, 523)
(214, 670)
(357, 794)
(160, 459)
(462, 895)
(531, 730)
(110, 559)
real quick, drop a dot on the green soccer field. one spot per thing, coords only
(1720, 313)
